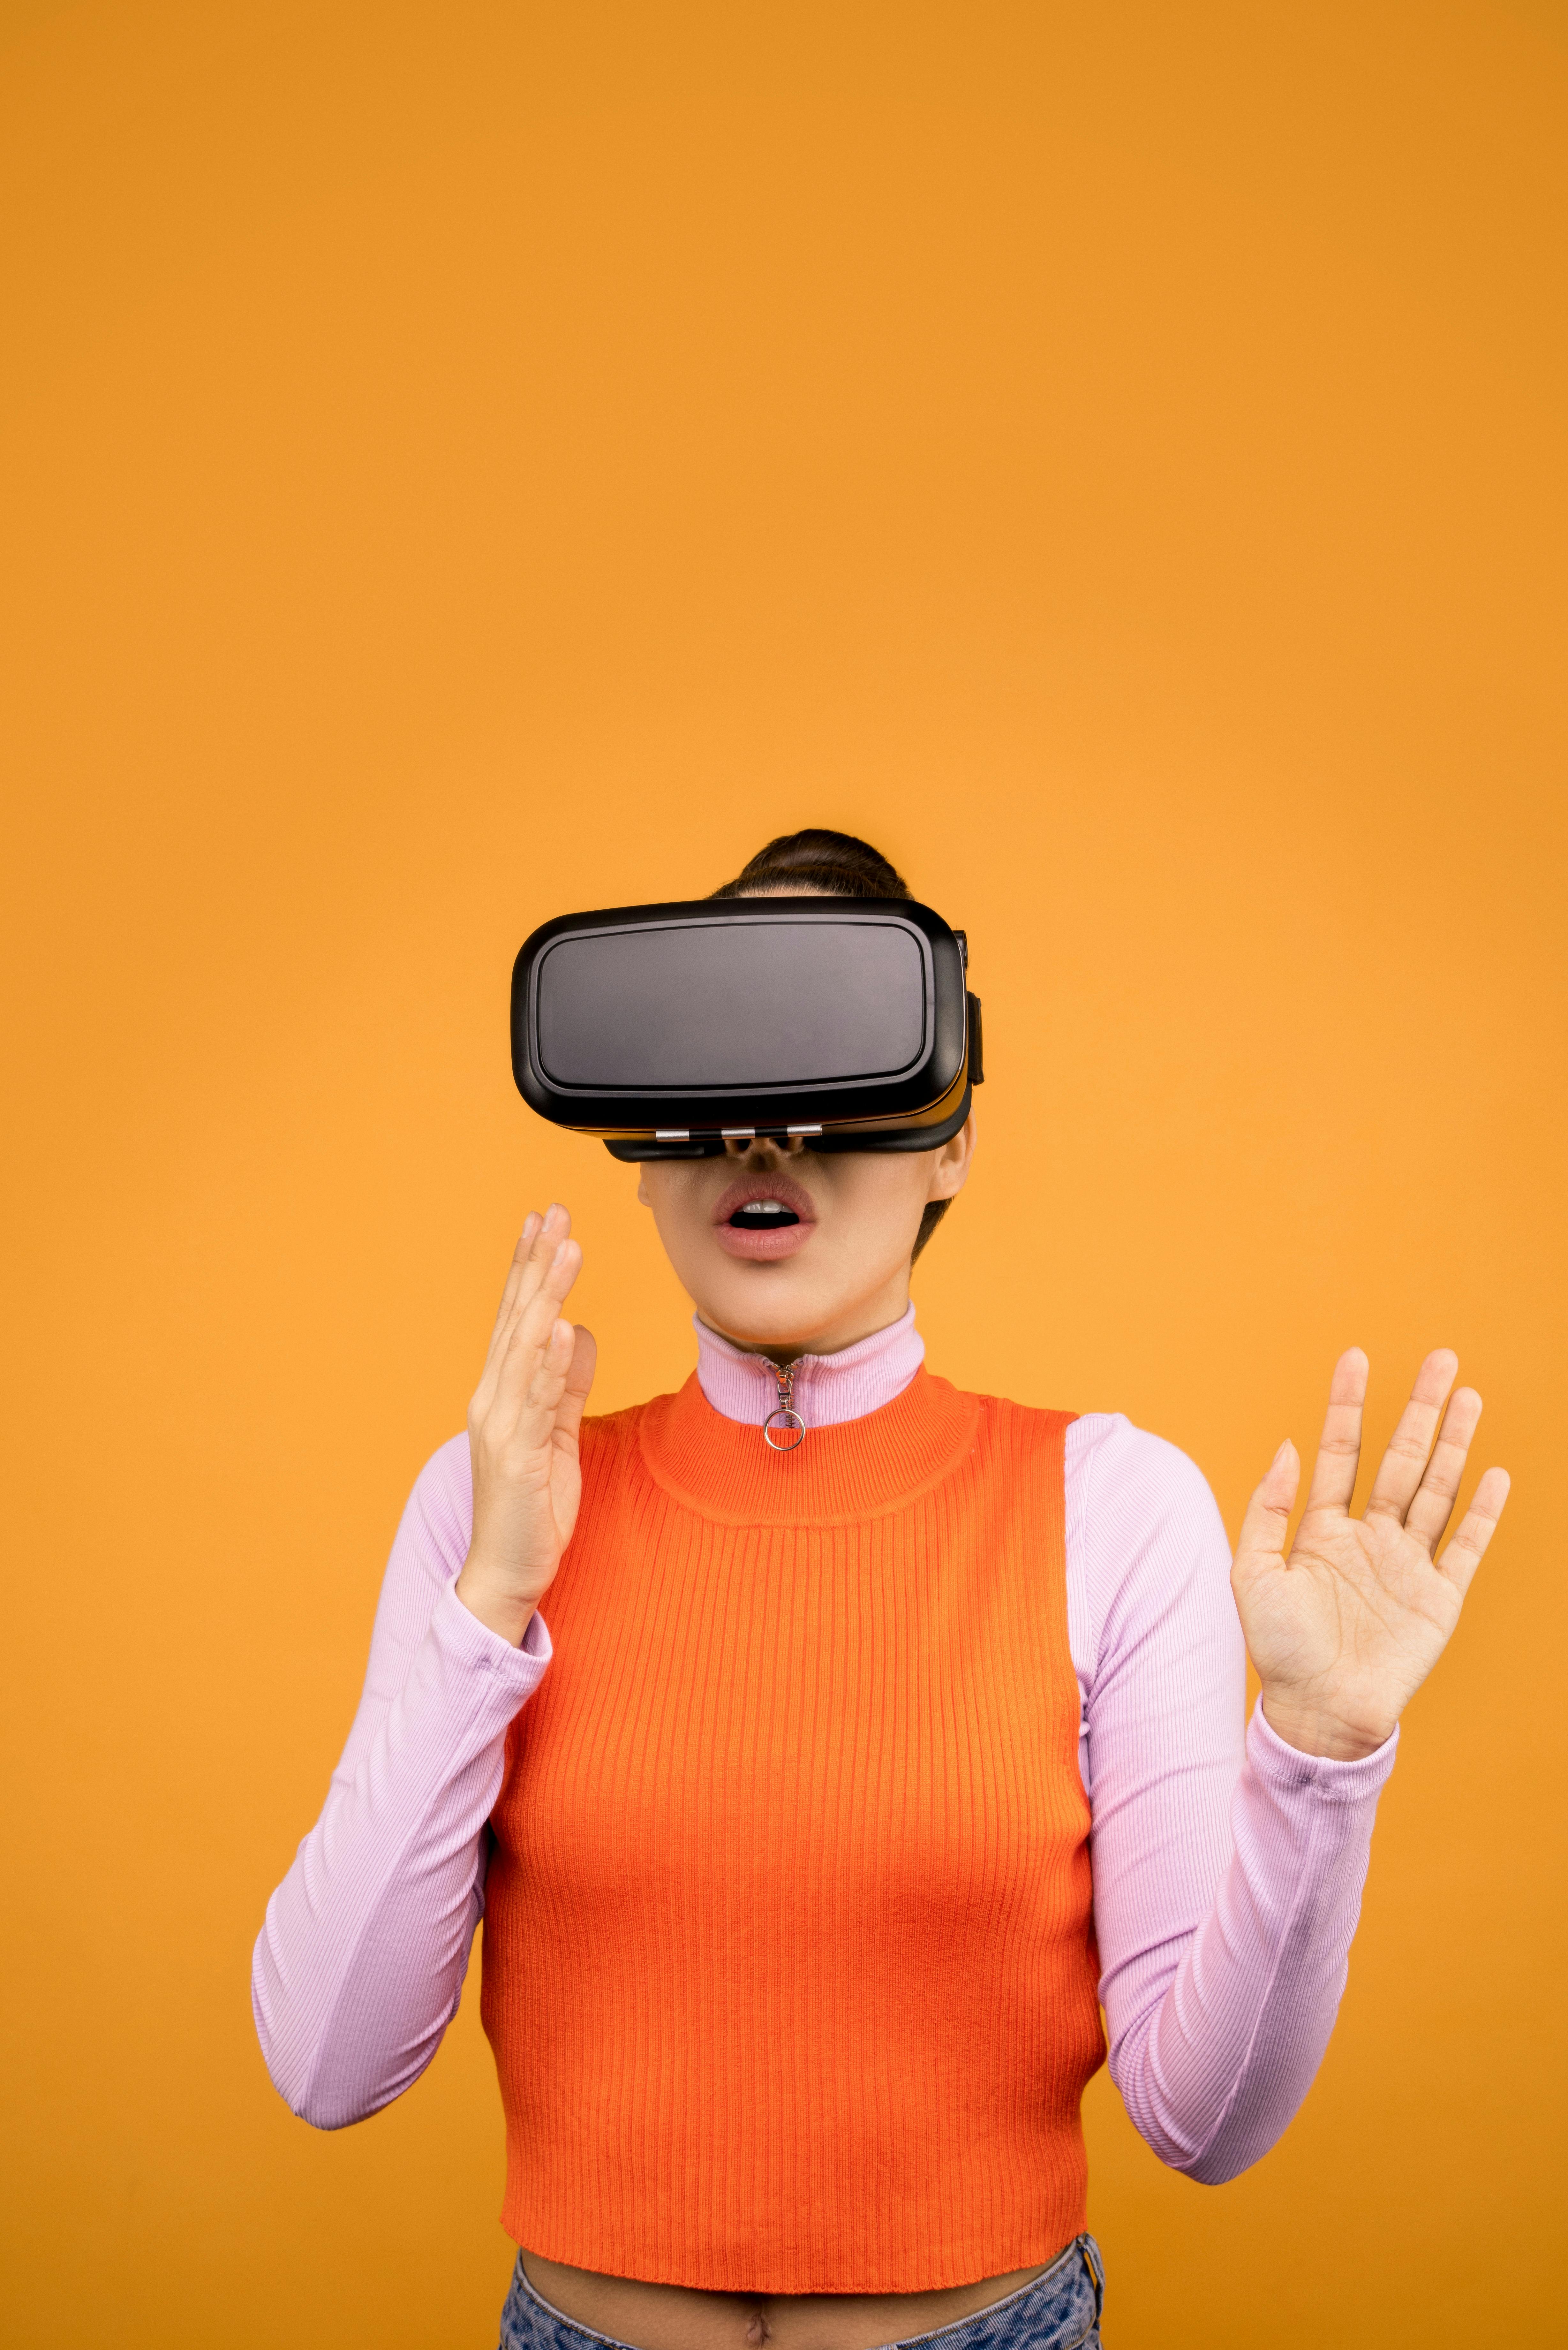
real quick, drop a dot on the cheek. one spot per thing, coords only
(681, 1210)
(881, 1206)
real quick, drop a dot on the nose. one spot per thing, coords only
(762, 1150)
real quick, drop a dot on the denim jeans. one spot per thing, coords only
(1060, 2311)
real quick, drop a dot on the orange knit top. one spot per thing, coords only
(787, 1953)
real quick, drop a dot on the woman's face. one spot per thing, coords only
(791, 1252)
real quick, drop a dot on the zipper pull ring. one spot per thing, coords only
(784, 1416)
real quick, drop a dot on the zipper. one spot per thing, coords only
(784, 1415)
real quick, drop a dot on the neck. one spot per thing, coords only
(869, 1320)
(831, 1384)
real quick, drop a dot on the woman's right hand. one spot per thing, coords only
(522, 1429)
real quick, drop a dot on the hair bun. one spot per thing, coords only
(834, 862)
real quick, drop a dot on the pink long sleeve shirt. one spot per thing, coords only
(1227, 1867)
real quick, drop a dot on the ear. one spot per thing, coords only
(642, 1191)
(950, 1164)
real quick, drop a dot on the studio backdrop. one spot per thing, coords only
(468, 462)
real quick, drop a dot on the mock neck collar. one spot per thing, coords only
(827, 1389)
(881, 1460)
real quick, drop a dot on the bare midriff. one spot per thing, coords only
(677, 2317)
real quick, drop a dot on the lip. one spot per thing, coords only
(764, 1248)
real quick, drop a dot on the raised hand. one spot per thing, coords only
(1344, 1632)
(522, 1429)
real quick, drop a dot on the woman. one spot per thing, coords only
(783, 1830)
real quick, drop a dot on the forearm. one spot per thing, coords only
(1217, 2039)
(360, 1964)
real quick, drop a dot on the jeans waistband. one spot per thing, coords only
(1058, 2310)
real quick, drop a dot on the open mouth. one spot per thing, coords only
(762, 1216)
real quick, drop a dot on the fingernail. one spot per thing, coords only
(560, 1253)
(1281, 1453)
(530, 1223)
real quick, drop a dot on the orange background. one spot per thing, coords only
(467, 461)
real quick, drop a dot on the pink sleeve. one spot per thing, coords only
(359, 1967)
(1228, 1869)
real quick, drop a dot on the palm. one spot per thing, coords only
(1344, 1627)
(566, 1483)
(556, 1473)
(522, 1429)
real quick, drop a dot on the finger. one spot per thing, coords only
(1405, 1462)
(523, 1275)
(558, 1388)
(1430, 1511)
(1463, 1555)
(1339, 1446)
(508, 1358)
(565, 1264)
(579, 1379)
(531, 1223)
(521, 1409)
(530, 1267)
(531, 1335)
(1269, 1511)
(547, 1380)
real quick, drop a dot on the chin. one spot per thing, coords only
(762, 1306)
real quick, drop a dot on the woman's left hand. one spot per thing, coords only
(1344, 1630)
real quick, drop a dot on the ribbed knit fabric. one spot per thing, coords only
(788, 1955)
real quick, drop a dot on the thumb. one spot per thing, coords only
(1268, 1514)
(579, 1379)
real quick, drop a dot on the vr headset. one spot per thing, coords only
(669, 1030)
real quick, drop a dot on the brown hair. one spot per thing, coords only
(834, 862)
(839, 865)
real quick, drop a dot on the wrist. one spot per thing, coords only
(495, 1601)
(1320, 1730)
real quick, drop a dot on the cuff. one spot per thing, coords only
(471, 1647)
(1286, 1768)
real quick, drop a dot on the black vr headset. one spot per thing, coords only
(669, 1030)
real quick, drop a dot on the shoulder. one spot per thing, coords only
(609, 1436)
(606, 1431)
(1104, 1453)
(1019, 1426)
(1125, 1469)
(610, 1442)
(1146, 1544)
